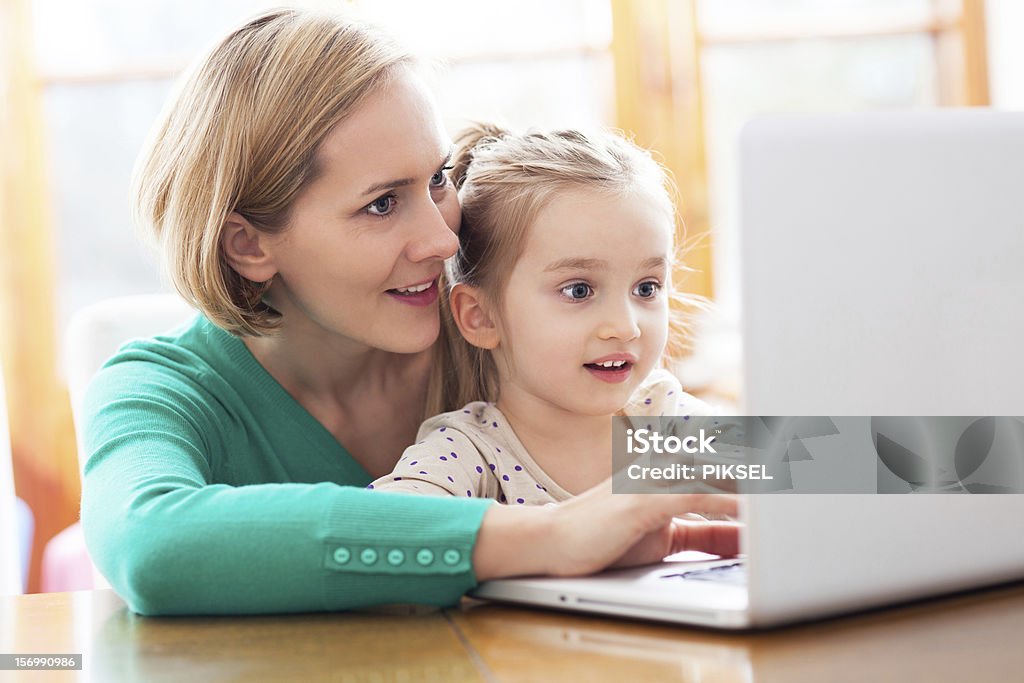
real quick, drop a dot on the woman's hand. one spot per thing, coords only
(597, 530)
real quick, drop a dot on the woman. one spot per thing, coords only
(297, 189)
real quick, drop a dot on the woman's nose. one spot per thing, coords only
(433, 238)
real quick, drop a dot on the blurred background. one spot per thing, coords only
(81, 82)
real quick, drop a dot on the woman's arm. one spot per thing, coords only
(171, 541)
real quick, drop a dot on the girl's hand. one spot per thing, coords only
(597, 530)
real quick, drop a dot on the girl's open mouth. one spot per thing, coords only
(610, 371)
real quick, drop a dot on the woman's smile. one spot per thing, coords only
(422, 294)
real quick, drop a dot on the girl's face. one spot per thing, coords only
(585, 311)
(362, 253)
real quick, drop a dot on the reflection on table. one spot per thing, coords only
(972, 637)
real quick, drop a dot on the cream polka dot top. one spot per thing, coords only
(473, 452)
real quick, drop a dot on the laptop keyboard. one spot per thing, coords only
(734, 573)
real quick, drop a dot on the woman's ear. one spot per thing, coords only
(471, 314)
(245, 249)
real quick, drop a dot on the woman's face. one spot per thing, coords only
(363, 250)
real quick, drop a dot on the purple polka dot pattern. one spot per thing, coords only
(647, 401)
(514, 482)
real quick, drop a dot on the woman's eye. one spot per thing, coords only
(646, 290)
(381, 206)
(577, 291)
(440, 179)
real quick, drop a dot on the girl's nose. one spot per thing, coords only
(619, 322)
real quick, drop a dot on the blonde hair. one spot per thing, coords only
(242, 135)
(504, 180)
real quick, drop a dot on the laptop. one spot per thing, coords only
(883, 274)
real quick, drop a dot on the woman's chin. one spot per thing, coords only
(410, 340)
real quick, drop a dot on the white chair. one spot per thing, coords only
(10, 536)
(93, 335)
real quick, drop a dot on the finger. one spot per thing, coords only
(716, 538)
(714, 503)
(694, 517)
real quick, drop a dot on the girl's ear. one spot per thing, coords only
(245, 249)
(471, 314)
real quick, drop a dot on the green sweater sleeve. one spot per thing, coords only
(188, 508)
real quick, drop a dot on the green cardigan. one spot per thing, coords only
(209, 490)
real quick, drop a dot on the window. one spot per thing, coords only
(807, 56)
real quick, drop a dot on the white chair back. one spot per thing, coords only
(10, 541)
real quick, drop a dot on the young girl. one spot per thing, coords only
(560, 292)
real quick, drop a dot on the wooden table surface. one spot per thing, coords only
(970, 637)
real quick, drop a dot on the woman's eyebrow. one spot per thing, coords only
(387, 185)
(402, 182)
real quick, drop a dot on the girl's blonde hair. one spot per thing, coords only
(504, 180)
(242, 135)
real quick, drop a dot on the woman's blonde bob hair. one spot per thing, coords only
(242, 135)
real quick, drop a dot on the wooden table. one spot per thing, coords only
(971, 637)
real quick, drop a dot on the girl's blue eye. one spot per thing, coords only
(381, 206)
(647, 290)
(578, 291)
